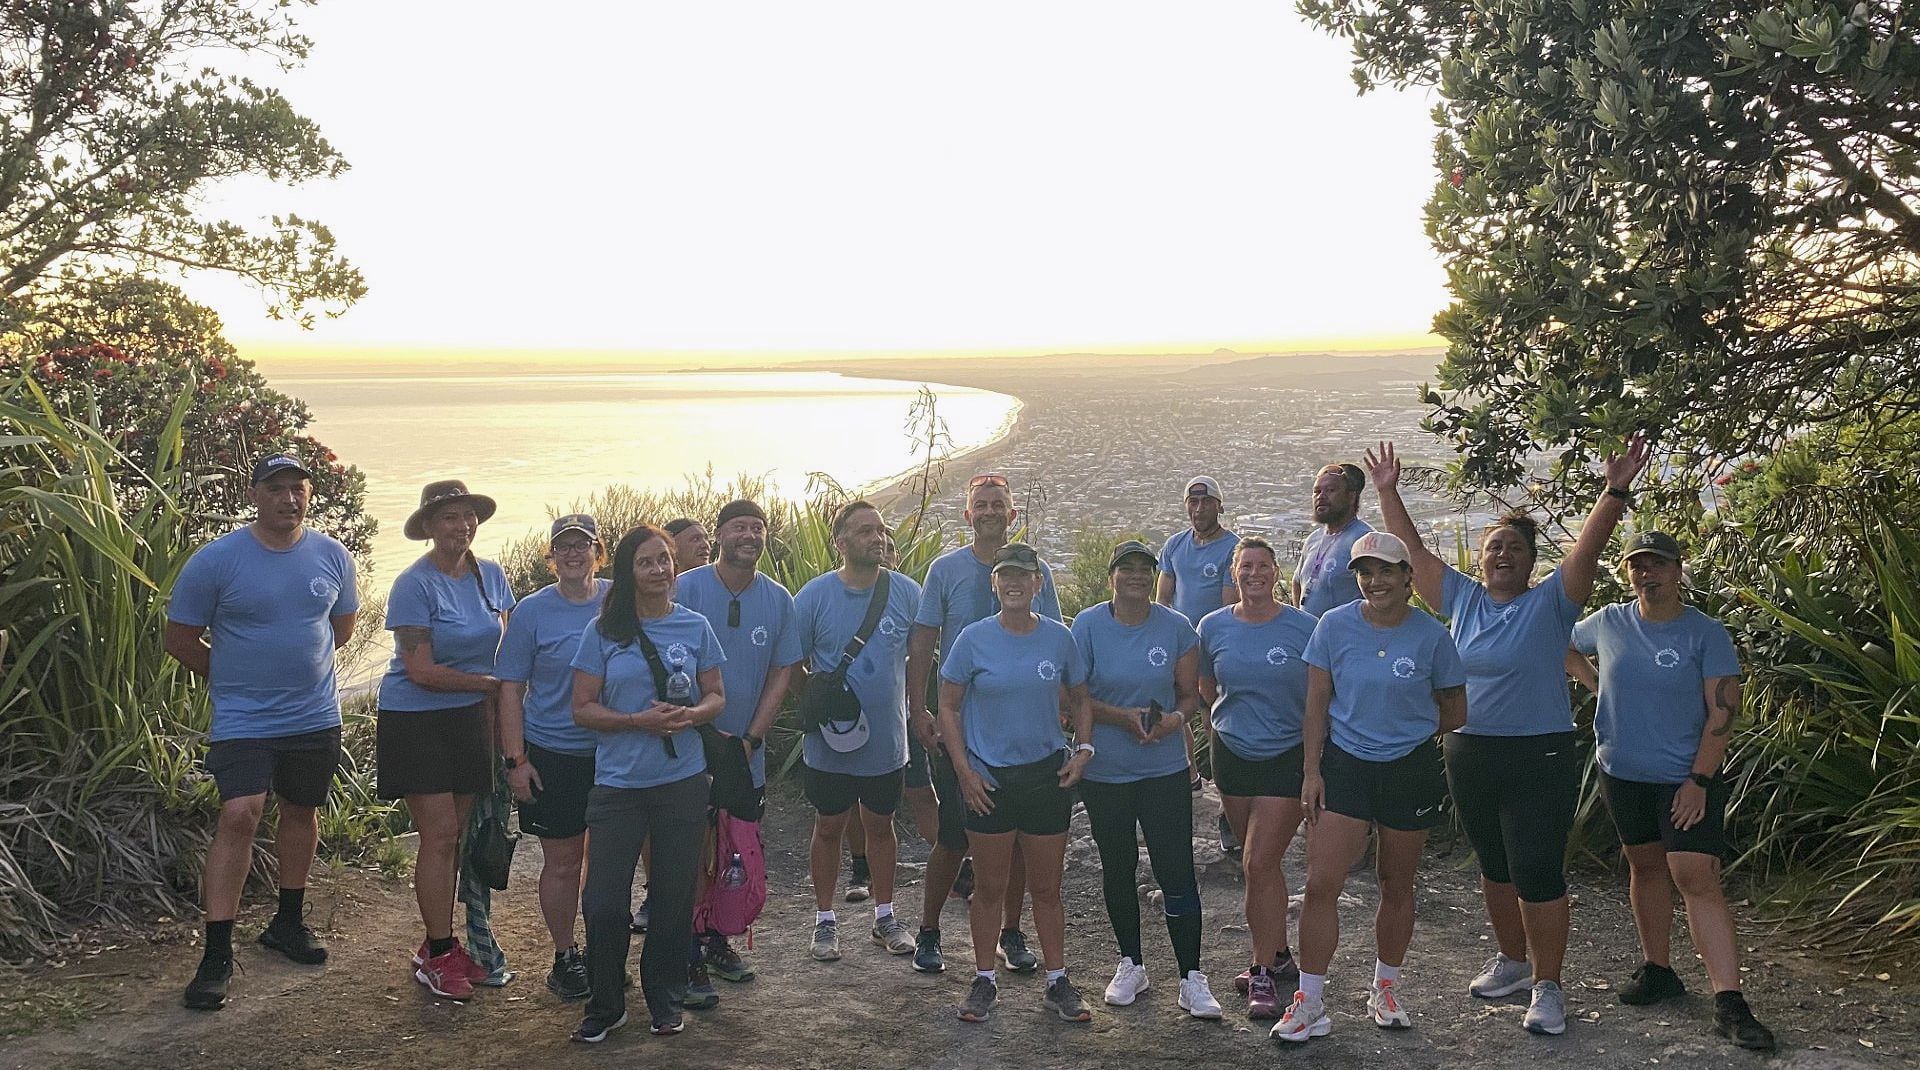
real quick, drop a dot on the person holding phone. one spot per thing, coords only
(1143, 668)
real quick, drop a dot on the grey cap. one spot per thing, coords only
(1128, 549)
(1653, 542)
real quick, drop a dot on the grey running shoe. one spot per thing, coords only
(826, 941)
(724, 962)
(1501, 977)
(1064, 1000)
(891, 933)
(1013, 951)
(700, 994)
(980, 1000)
(1547, 1013)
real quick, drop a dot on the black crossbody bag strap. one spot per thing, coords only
(659, 669)
(876, 608)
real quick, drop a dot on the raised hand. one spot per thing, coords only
(1383, 467)
(1623, 469)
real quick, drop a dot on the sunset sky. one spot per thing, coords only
(765, 177)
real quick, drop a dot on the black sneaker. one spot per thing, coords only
(568, 978)
(1013, 951)
(208, 989)
(1733, 1019)
(592, 1032)
(1229, 845)
(926, 952)
(963, 881)
(1651, 984)
(859, 880)
(292, 938)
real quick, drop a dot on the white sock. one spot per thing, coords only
(824, 915)
(988, 974)
(882, 911)
(1384, 972)
(1055, 975)
(1313, 985)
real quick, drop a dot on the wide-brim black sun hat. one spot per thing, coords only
(446, 492)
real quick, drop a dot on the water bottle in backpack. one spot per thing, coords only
(735, 875)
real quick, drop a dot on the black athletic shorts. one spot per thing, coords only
(434, 752)
(558, 809)
(299, 768)
(936, 772)
(1643, 813)
(1277, 777)
(1041, 807)
(835, 793)
(1407, 794)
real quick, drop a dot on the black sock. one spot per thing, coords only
(925, 929)
(437, 948)
(1731, 999)
(1186, 934)
(220, 939)
(292, 902)
(1004, 933)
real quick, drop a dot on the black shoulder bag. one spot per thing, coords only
(732, 789)
(827, 697)
(490, 848)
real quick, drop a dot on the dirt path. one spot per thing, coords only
(872, 1010)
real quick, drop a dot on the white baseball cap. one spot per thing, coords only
(1381, 546)
(1211, 484)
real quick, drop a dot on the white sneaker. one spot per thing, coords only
(1383, 1006)
(1305, 1019)
(1501, 977)
(1547, 1010)
(1196, 998)
(1129, 980)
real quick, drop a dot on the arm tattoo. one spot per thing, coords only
(408, 639)
(1726, 697)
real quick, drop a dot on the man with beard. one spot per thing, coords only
(277, 600)
(1322, 580)
(959, 591)
(753, 617)
(863, 763)
(1194, 575)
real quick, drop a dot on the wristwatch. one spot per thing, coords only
(753, 741)
(512, 762)
(1086, 748)
(1621, 493)
(1701, 779)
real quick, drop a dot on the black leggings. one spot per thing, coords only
(1515, 796)
(1162, 809)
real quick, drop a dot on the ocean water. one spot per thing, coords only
(550, 438)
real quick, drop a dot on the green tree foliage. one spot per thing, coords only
(113, 125)
(1700, 219)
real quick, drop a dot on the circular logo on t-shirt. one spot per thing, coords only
(758, 635)
(1403, 668)
(1667, 658)
(1278, 656)
(889, 627)
(1157, 657)
(678, 652)
(322, 587)
(1210, 570)
(1048, 670)
(1506, 615)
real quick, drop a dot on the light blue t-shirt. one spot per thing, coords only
(1515, 655)
(465, 630)
(269, 619)
(1013, 682)
(959, 591)
(1383, 680)
(1131, 665)
(635, 759)
(765, 639)
(1653, 688)
(1199, 571)
(1324, 578)
(1261, 678)
(828, 612)
(542, 636)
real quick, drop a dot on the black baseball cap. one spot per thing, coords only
(1128, 549)
(1658, 543)
(279, 462)
(1017, 555)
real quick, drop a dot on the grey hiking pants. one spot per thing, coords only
(619, 820)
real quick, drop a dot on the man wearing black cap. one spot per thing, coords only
(1322, 579)
(752, 615)
(259, 612)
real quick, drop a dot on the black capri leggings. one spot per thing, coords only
(1515, 796)
(1162, 809)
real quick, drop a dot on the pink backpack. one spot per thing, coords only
(737, 880)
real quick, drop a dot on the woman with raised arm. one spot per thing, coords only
(1143, 669)
(645, 678)
(1515, 771)
(1002, 689)
(435, 744)
(1382, 679)
(1255, 685)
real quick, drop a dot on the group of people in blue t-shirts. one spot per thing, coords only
(1326, 705)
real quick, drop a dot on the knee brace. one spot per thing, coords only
(1178, 906)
